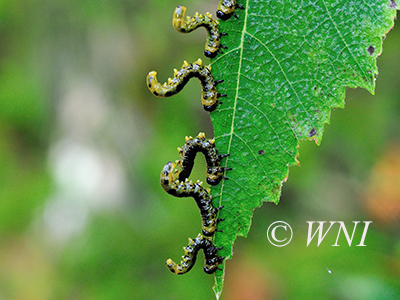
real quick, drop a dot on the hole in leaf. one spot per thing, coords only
(312, 132)
(371, 50)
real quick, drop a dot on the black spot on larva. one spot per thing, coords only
(371, 50)
(312, 132)
(261, 152)
(393, 4)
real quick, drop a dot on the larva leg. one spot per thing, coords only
(213, 44)
(209, 94)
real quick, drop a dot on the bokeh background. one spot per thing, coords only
(82, 143)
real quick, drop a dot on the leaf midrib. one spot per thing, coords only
(236, 96)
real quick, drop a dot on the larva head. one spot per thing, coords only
(225, 9)
(211, 265)
(210, 269)
(211, 108)
(223, 16)
(210, 52)
(214, 179)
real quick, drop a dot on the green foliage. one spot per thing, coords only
(287, 65)
(49, 48)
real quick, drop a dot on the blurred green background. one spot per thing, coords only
(82, 143)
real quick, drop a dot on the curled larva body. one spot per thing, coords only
(206, 146)
(211, 260)
(174, 178)
(187, 188)
(213, 44)
(209, 94)
(226, 9)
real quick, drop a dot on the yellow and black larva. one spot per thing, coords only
(209, 94)
(226, 9)
(213, 44)
(211, 260)
(213, 159)
(187, 188)
(174, 180)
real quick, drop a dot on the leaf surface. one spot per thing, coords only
(287, 64)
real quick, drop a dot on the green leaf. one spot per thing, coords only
(287, 64)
